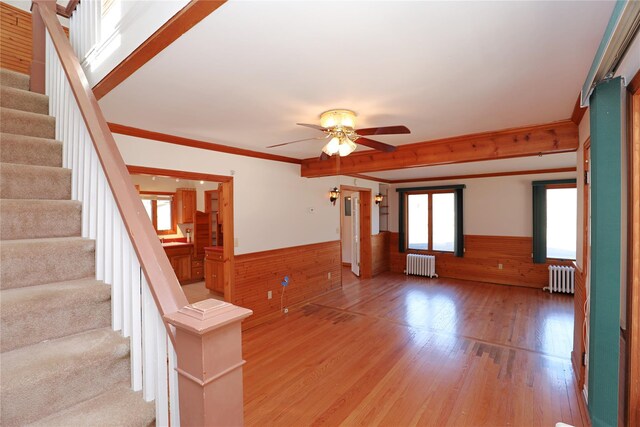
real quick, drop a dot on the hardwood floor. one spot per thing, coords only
(198, 291)
(397, 350)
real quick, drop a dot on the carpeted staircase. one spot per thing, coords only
(60, 362)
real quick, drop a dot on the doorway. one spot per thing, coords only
(355, 231)
(223, 186)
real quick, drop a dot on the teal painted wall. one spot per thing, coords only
(606, 117)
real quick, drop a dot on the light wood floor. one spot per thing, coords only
(198, 291)
(396, 351)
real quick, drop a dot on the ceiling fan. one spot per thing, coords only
(339, 126)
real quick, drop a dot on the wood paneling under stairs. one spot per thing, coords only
(308, 268)
(380, 253)
(399, 351)
(481, 260)
(16, 38)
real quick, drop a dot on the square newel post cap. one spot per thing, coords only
(205, 316)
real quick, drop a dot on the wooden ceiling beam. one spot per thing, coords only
(556, 137)
(578, 112)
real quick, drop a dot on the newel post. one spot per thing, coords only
(39, 53)
(209, 350)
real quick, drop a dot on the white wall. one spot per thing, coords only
(137, 21)
(496, 206)
(273, 206)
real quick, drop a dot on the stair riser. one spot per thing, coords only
(31, 219)
(13, 79)
(69, 382)
(37, 263)
(34, 182)
(24, 100)
(30, 151)
(30, 124)
(47, 314)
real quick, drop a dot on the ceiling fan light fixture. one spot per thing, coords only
(332, 146)
(347, 147)
(338, 118)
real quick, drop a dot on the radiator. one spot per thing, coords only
(421, 265)
(561, 279)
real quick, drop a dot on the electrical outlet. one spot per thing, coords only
(329, 275)
(499, 266)
(269, 294)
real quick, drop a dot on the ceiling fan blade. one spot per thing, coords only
(376, 144)
(292, 142)
(385, 130)
(312, 126)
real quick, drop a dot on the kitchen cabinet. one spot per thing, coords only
(197, 269)
(185, 205)
(214, 269)
(180, 259)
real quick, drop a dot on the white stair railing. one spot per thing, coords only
(134, 312)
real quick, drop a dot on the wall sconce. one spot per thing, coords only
(378, 198)
(333, 195)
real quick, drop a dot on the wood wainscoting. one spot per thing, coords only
(380, 255)
(481, 258)
(308, 268)
(16, 39)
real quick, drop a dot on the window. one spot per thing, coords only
(561, 222)
(431, 219)
(159, 207)
(554, 220)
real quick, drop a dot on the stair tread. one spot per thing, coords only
(50, 376)
(30, 150)
(34, 182)
(36, 313)
(33, 363)
(29, 262)
(37, 218)
(120, 405)
(50, 295)
(24, 100)
(45, 240)
(12, 78)
(27, 123)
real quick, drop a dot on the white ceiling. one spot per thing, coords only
(248, 72)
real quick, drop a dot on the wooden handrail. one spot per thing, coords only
(163, 284)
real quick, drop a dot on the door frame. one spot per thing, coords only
(366, 200)
(355, 244)
(633, 262)
(226, 208)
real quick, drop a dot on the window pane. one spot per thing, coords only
(444, 215)
(418, 221)
(561, 223)
(164, 215)
(147, 206)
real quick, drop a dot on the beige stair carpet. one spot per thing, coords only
(60, 362)
(30, 150)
